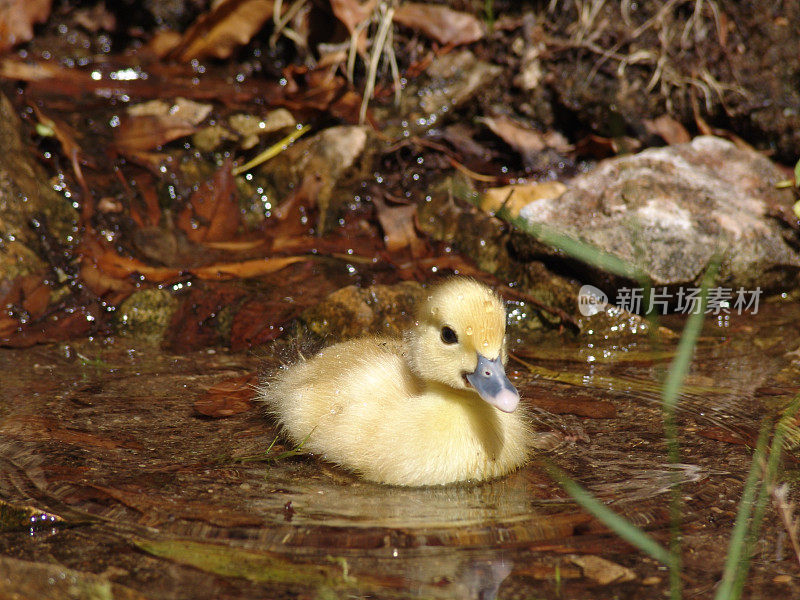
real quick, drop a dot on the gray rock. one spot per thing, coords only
(669, 210)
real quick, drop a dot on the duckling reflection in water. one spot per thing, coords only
(434, 407)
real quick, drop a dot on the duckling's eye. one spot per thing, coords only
(448, 335)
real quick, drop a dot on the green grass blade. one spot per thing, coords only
(670, 394)
(577, 249)
(783, 427)
(737, 559)
(619, 525)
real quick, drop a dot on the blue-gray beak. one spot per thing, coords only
(490, 381)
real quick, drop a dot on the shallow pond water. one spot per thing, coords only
(111, 480)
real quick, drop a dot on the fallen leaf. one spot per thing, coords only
(670, 130)
(102, 256)
(443, 24)
(353, 15)
(163, 42)
(261, 566)
(99, 283)
(721, 434)
(30, 292)
(68, 137)
(140, 134)
(247, 268)
(151, 124)
(236, 246)
(144, 207)
(260, 321)
(63, 325)
(228, 398)
(96, 18)
(513, 198)
(36, 295)
(213, 213)
(217, 33)
(582, 405)
(38, 428)
(602, 571)
(398, 223)
(182, 109)
(17, 18)
(523, 139)
(602, 147)
(192, 325)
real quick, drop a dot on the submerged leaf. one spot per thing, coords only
(228, 398)
(260, 567)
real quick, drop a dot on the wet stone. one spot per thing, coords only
(353, 311)
(146, 314)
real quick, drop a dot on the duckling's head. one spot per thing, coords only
(459, 341)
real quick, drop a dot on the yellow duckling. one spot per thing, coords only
(432, 408)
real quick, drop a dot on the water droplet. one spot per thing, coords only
(468, 331)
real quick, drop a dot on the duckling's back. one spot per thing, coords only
(332, 401)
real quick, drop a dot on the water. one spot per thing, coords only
(108, 474)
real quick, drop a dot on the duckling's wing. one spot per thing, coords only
(340, 391)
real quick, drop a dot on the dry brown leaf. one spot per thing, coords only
(398, 227)
(228, 25)
(17, 18)
(247, 268)
(670, 130)
(163, 42)
(235, 246)
(514, 197)
(353, 13)
(601, 147)
(151, 124)
(582, 405)
(111, 266)
(181, 109)
(36, 296)
(602, 571)
(99, 283)
(96, 18)
(13, 68)
(524, 140)
(213, 213)
(443, 24)
(139, 134)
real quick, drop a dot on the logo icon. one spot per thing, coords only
(591, 300)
